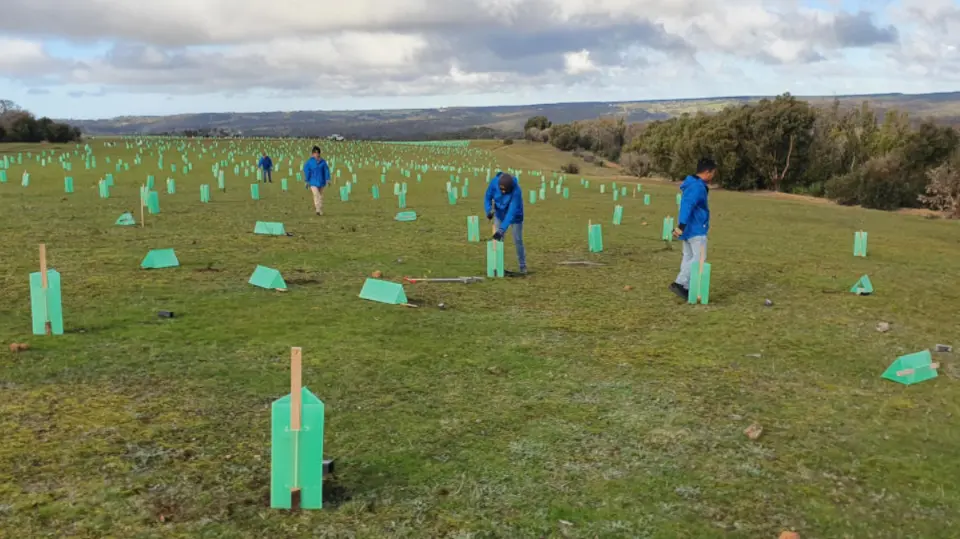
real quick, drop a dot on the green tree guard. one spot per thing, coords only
(296, 444)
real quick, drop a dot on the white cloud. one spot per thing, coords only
(578, 63)
(432, 47)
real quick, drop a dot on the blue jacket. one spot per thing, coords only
(694, 211)
(316, 173)
(508, 208)
(265, 163)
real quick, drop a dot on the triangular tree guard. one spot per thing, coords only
(383, 292)
(265, 277)
(406, 216)
(473, 228)
(595, 238)
(863, 287)
(860, 244)
(296, 444)
(912, 368)
(126, 220)
(160, 258)
(269, 229)
(46, 304)
(667, 233)
(699, 283)
(495, 259)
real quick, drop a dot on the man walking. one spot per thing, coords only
(266, 164)
(693, 223)
(504, 201)
(316, 174)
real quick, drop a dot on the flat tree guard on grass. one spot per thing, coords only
(700, 282)
(473, 228)
(406, 216)
(265, 277)
(595, 238)
(46, 305)
(495, 259)
(860, 244)
(383, 292)
(159, 259)
(667, 233)
(912, 368)
(126, 220)
(617, 214)
(296, 444)
(863, 287)
(269, 229)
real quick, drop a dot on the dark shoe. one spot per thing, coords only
(680, 291)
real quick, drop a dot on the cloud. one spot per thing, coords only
(433, 47)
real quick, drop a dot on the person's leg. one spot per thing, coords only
(317, 199)
(269, 175)
(683, 278)
(521, 252)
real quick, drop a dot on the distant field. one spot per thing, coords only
(558, 405)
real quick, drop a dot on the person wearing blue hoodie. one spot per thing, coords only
(316, 175)
(504, 201)
(266, 164)
(693, 222)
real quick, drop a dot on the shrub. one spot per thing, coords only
(637, 163)
(507, 141)
(589, 158)
(570, 168)
(943, 191)
(845, 189)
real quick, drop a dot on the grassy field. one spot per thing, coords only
(557, 405)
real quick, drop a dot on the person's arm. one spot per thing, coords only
(516, 205)
(324, 171)
(688, 201)
(306, 173)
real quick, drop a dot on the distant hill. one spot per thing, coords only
(477, 122)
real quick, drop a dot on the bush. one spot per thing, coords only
(943, 191)
(589, 158)
(637, 164)
(507, 141)
(601, 163)
(570, 168)
(845, 189)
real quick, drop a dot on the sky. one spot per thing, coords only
(87, 59)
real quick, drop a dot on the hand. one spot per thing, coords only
(498, 236)
(490, 216)
(677, 233)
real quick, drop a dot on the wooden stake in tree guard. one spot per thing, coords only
(45, 283)
(296, 453)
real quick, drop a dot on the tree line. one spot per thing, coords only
(855, 156)
(18, 125)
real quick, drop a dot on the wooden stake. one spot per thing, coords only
(45, 284)
(296, 405)
(703, 257)
(296, 401)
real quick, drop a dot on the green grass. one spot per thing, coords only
(559, 405)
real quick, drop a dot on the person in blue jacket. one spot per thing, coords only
(504, 201)
(316, 174)
(693, 222)
(266, 164)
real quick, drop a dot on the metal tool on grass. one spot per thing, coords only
(464, 280)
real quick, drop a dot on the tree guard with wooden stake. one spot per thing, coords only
(296, 452)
